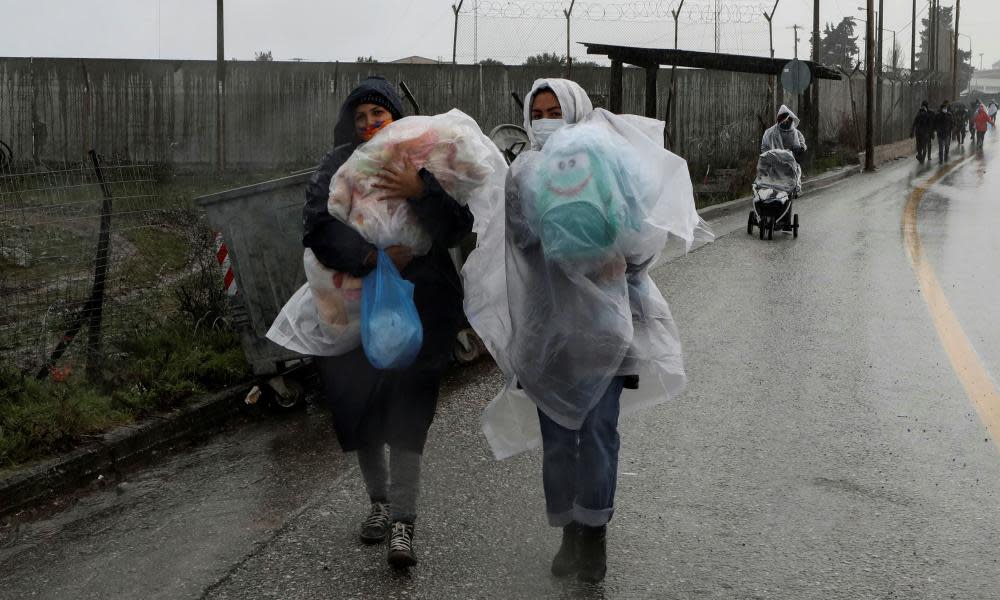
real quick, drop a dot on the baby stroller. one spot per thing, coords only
(778, 183)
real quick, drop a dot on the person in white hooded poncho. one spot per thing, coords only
(559, 290)
(784, 134)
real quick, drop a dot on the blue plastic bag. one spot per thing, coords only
(391, 332)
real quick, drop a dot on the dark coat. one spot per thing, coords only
(372, 406)
(943, 122)
(923, 123)
(960, 112)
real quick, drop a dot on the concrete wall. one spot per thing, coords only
(283, 113)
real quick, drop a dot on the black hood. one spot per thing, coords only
(344, 131)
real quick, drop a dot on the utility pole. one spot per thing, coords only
(569, 59)
(870, 88)
(796, 28)
(933, 36)
(220, 91)
(814, 91)
(954, 55)
(715, 10)
(457, 8)
(913, 39)
(878, 70)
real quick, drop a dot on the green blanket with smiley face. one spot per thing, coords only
(584, 195)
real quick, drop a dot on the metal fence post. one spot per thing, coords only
(96, 302)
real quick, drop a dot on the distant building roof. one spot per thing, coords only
(985, 82)
(416, 60)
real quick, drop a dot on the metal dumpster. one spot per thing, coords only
(262, 228)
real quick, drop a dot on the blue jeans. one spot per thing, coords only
(580, 468)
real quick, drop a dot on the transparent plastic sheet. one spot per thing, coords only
(566, 321)
(391, 331)
(776, 138)
(778, 170)
(323, 318)
(451, 146)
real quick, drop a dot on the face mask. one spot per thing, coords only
(786, 124)
(543, 128)
(369, 132)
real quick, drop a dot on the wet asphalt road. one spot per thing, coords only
(825, 448)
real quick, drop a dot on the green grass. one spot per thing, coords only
(153, 372)
(42, 418)
(184, 349)
(157, 252)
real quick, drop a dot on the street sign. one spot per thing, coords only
(795, 76)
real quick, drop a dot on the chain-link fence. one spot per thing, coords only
(87, 253)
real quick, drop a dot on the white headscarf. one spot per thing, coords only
(573, 100)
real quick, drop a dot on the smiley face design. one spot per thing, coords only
(575, 216)
(569, 175)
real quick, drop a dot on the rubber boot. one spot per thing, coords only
(592, 552)
(565, 561)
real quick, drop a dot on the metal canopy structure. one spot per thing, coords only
(652, 59)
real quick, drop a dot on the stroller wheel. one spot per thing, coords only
(750, 223)
(795, 226)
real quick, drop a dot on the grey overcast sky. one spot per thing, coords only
(326, 30)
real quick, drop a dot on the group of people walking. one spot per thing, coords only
(950, 122)
(569, 358)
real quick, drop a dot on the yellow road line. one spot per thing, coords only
(964, 360)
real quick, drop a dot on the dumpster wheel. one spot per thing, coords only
(285, 393)
(468, 346)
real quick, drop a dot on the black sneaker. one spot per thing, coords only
(401, 546)
(565, 562)
(592, 550)
(376, 527)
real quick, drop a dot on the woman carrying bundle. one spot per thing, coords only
(578, 326)
(373, 408)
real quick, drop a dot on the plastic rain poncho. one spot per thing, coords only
(322, 318)
(778, 170)
(558, 286)
(776, 138)
(451, 146)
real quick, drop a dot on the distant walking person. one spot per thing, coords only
(991, 110)
(923, 130)
(943, 124)
(982, 121)
(960, 112)
(973, 109)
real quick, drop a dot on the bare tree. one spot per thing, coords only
(896, 57)
(263, 56)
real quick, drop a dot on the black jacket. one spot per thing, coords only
(437, 285)
(923, 124)
(943, 122)
(960, 112)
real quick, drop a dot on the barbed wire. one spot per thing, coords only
(721, 12)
